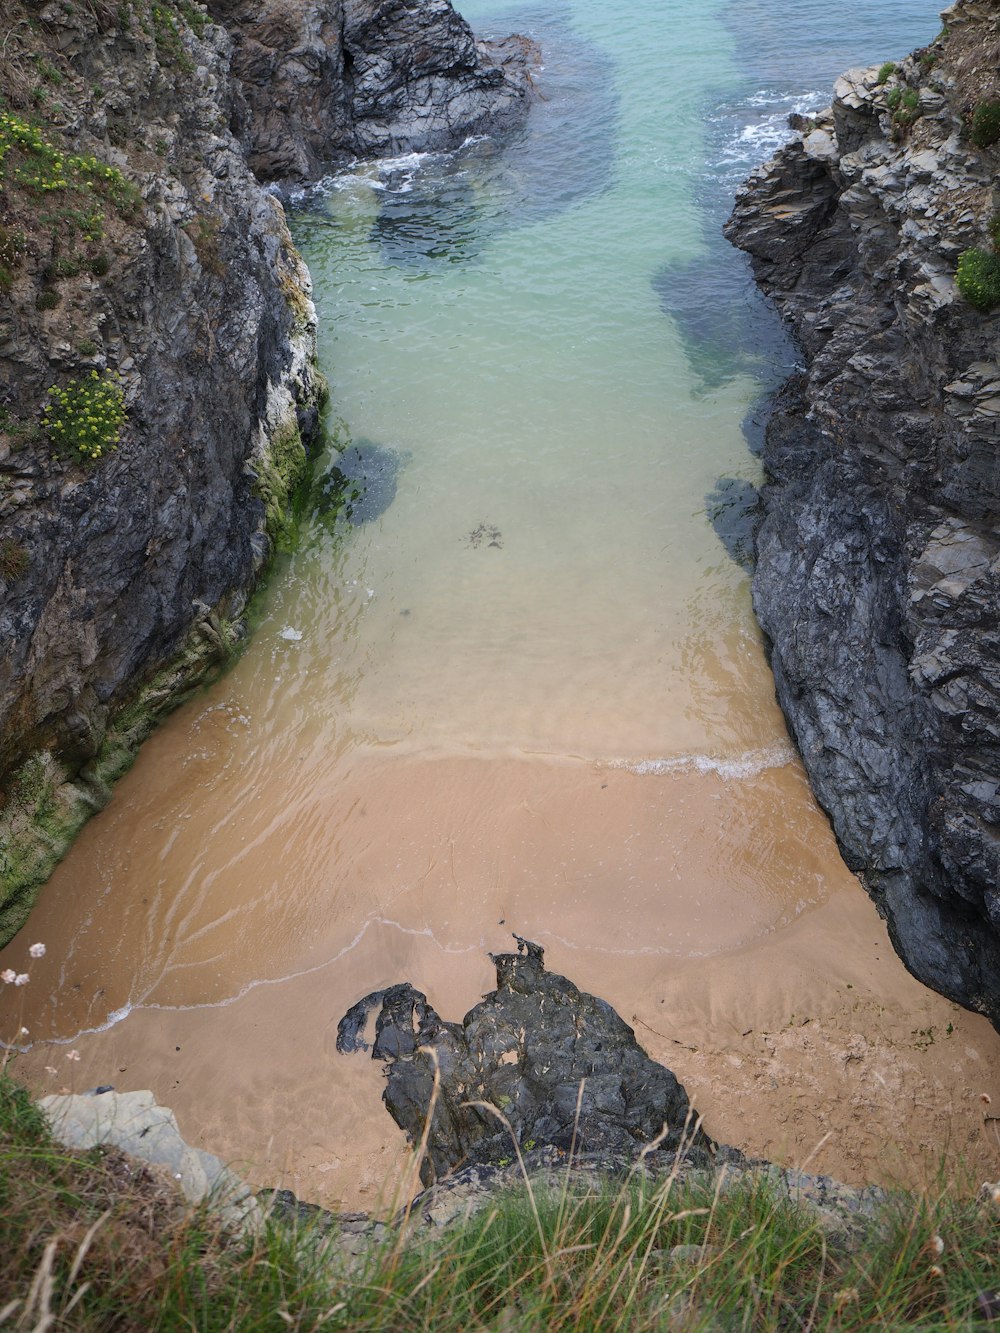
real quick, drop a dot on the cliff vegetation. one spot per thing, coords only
(98, 1241)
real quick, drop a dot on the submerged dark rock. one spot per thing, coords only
(733, 507)
(878, 559)
(559, 1065)
(724, 335)
(362, 482)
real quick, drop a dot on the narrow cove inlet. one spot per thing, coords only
(514, 683)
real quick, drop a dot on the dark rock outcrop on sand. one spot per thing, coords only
(878, 560)
(327, 80)
(560, 1065)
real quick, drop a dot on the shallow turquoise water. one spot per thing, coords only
(558, 347)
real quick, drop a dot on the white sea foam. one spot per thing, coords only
(131, 1007)
(762, 126)
(732, 768)
(290, 633)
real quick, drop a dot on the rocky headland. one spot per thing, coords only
(159, 394)
(877, 580)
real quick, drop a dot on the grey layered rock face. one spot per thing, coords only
(559, 1065)
(135, 1123)
(878, 561)
(327, 80)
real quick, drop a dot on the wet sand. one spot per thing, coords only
(711, 910)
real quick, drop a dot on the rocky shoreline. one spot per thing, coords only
(150, 283)
(877, 579)
(539, 1081)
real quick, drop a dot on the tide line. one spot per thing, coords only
(747, 765)
(136, 1006)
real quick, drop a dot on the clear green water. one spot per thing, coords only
(504, 322)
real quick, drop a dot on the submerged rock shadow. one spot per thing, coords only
(361, 484)
(436, 209)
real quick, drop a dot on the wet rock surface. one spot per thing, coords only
(878, 558)
(538, 1063)
(328, 80)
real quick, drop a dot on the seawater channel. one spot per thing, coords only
(519, 686)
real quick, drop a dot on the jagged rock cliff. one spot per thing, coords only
(878, 559)
(158, 387)
(325, 80)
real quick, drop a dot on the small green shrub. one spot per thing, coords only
(87, 416)
(86, 347)
(47, 299)
(985, 130)
(978, 278)
(885, 70)
(99, 265)
(48, 71)
(904, 103)
(29, 160)
(66, 266)
(195, 16)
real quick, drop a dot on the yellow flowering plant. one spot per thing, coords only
(86, 416)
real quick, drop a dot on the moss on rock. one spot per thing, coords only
(47, 805)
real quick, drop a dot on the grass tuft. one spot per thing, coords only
(96, 1241)
(985, 128)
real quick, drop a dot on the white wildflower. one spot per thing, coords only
(8, 975)
(37, 951)
(21, 979)
(23, 1032)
